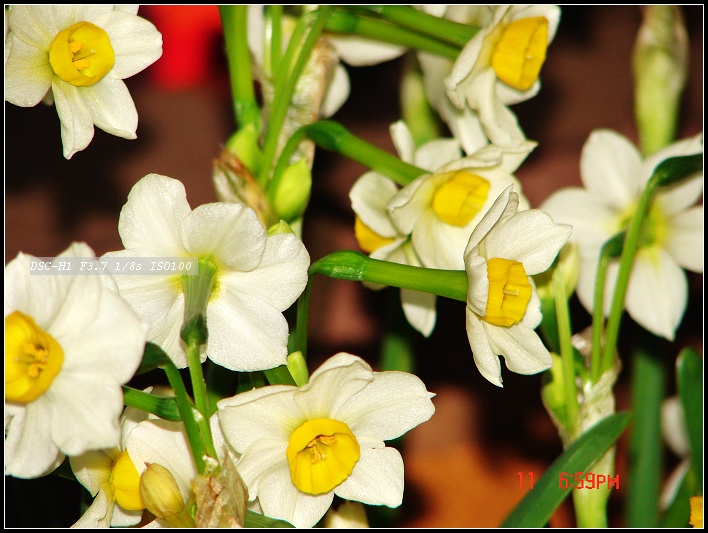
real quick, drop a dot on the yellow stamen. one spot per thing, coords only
(367, 238)
(125, 481)
(509, 292)
(521, 51)
(81, 54)
(460, 198)
(32, 359)
(321, 454)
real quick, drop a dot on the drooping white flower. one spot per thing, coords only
(81, 54)
(112, 479)
(374, 229)
(503, 308)
(70, 343)
(498, 67)
(614, 175)
(257, 276)
(440, 210)
(301, 446)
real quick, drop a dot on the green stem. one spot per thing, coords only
(286, 80)
(201, 398)
(274, 35)
(191, 427)
(234, 20)
(566, 348)
(336, 138)
(164, 407)
(380, 30)
(449, 31)
(303, 307)
(280, 375)
(611, 248)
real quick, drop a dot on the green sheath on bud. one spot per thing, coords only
(290, 191)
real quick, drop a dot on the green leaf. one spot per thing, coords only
(162, 406)
(259, 520)
(690, 390)
(539, 504)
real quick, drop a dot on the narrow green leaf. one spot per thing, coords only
(259, 520)
(539, 504)
(162, 406)
(690, 389)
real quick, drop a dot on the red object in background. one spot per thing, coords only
(192, 42)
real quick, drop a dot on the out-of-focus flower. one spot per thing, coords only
(112, 479)
(614, 175)
(349, 515)
(696, 519)
(70, 343)
(376, 233)
(81, 54)
(503, 308)
(301, 446)
(257, 276)
(441, 209)
(497, 68)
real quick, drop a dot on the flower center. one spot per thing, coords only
(81, 54)
(367, 238)
(32, 359)
(321, 453)
(125, 482)
(460, 198)
(521, 51)
(509, 292)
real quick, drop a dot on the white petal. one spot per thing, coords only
(332, 385)
(337, 92)
(92, 469)
(684, 239)
(504, 206)
(657, 292)
(99, 514)
(403, 141)
(279, 498)
(529, 237)
(477, 282)
(33, 25)
(123, 518)
(687, 190)
(610, 168)
(28, 74)
(408, 205)
(259, 459)
(377, 478)
(280, 277)
(369, 196)
(419, 308)
(388, 407)
(360, 52)
(75, 117)
(136, 43)
(85, 411)
(267, 413)
(437, 153)
(29, 449)
(486, 360)
(150, 219)
(164, 443)
(41, 297)
(112, 108)
(230, 232)
(522, 349)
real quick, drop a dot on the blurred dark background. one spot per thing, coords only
(462, 467)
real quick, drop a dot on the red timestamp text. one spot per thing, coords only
(587, 480)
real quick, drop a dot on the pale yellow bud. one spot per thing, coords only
(162, 496)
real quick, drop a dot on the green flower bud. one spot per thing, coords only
(280, 227)
(291, 191)
(660, 65)
(162, 496)
(298, 368)
(244, 145)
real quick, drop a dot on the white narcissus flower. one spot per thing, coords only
(374, 229)
(614, 175)
(70, 343)
(301, 446)
(257, 276)
(112, 479)
(81, 54)
(499, 67)
(440, 210)
(503, 308)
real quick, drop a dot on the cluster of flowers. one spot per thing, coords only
(73, 341)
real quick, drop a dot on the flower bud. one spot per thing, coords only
(298, 368)
(660, 65)
(290, 193)
(244, 145)
(162, 496)
(349, 515)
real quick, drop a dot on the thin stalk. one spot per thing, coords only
(566, 348)
(286, 80)
(274, 35)
(235, 27)
(201, 398)
(380, 30)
